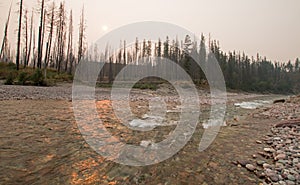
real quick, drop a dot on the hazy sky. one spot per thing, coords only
(269, 27)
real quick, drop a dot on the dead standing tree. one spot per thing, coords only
(81, 47)
(61, 37)
(40, 37)
(25, 37)
(19, 35)
(70, 45)
(50, 38)
(34, 50)
(4, 48)
(30, 41)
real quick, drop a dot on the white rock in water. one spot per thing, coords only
(145, 143)
(213, 123)
(248, 105)
(158, 118)
(143, 123)
(154, 145)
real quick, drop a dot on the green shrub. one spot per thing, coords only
(145, 86)
(6, 69)
(11, 65)
(49, 82)
(9, 80)
(38, 78)
(63, 77)
(22, 78)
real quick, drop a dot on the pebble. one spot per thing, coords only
(280, 156)
(266, 165)
(288, 141)
(270, 150)
(274, 177)
(260, 174)
(243, 162)
(296, 160)
(281, 183)
(283, 161)
(291, 177)
(258, 142)
(213, 165)
(260, 163)
(279, 165)
(250, 167)
(276, 138)
(288, 182)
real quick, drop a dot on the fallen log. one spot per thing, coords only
(288, 123)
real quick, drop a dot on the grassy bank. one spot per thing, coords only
(30, 76)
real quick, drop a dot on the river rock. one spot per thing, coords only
(280, 157)
(283, 161)
(281, 183)
(274, 177)
(258, 142)
(270, 150)
(288, 182)
(260, 163)
(266, 165)
(291, 177)
(276, 138)
(250, 167)
(289, 141)
(243, 162)
(296, 160)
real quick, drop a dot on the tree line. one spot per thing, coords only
(51, 44)
(241, 72)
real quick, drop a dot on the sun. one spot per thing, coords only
(104, 28)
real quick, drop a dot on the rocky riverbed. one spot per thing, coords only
(41, 144)
(278, 162)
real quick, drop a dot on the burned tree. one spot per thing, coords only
(19, 35)
(4, 54)
(70, 44)
(50, 37)
(81, 47)
(41, 35)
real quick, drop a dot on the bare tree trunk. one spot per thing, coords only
(33, 50)
(61, 37)
(43, 33)
(25, 37)
(110, 72)
(4, 47)
(49, 42)
(81, 36)
(40, 43)
(19, 35)
(45, 67)
(48, 50)
(55, 51)
(30, 41)
(70, 42)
